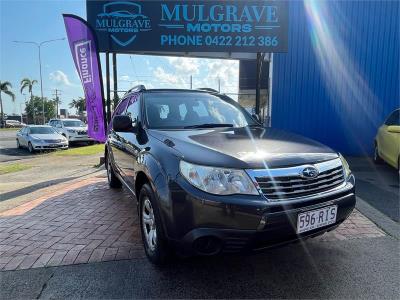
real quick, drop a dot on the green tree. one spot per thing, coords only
(34, 108)
(5, 87)
(79, 104)
(28, 84)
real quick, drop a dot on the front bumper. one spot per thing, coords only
(80, 138)
(50, 146)
(237, 223)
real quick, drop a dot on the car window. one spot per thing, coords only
(133, 109)
(73, 123)
(42, 130)
(394, 119)
(173, 110)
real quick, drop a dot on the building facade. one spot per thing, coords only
(340, 78)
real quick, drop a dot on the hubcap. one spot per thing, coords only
(376, 153)
(149, 224)
(30, 148)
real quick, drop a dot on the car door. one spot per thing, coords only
(24, 137)
(115, 139)
(389, 144)
(20, 136)
(130, 141)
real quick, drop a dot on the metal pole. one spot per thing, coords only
(108, 87)
(41, 83)
(115, 79)
(191, 82)
(258, 83)
(2, 113)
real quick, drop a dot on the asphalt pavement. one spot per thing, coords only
(8, 147)
(378, 185)
(364, 269)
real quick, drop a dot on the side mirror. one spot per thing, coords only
(122, 123)
(394, 129)
(256, 117)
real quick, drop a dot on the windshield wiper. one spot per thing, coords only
(208, 125)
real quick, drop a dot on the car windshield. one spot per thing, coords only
(73, 124)
(179, 110)
(42, 130)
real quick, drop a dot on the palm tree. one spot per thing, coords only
(26, 83)
(5, 87)
(79, 104)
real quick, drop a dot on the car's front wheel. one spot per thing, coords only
(18, 144)
(377, 158)
(113, 180)
(30, 148)
(154, 241)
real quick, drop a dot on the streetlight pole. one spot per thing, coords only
(39, 46)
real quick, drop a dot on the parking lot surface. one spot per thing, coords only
(87, 222)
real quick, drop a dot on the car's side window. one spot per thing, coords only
(133, 109)
(394, 119)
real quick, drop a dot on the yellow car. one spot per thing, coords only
(387, 141)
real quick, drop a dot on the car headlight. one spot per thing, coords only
(36, 140)
(218, 181)
(346, 167)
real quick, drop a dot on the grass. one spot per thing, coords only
(12, 168)
(88, 150)
(9, 129)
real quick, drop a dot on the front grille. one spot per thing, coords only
(82, 132)
(294, 186)
(53, 141)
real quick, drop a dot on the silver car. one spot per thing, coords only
(43, 137)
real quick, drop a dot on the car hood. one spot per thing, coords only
(47, 136)
(255, 147)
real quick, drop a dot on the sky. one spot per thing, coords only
(40, 20)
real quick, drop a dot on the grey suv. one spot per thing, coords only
(209, 178)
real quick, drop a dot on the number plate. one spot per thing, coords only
(313, 219)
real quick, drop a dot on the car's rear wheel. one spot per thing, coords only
(30, 148)
(113, 180)
(154, 241)
(377, 158)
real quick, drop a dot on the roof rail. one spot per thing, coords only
(208, 90)
(137, 88)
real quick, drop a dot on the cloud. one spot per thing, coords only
(125, 78)
(60, 78)
(186, 65)
(167, 78)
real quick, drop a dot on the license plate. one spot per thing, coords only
(314, 219)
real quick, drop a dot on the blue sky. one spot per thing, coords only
(37, 21)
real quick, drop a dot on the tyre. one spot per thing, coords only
(113, 180)
(377, 158)
(30, 148)
(18, 144)
(153, 237)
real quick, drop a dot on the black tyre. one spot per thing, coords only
(18, 144)
(113, 180)
(153, 237)
(30, 148)
(377, 158)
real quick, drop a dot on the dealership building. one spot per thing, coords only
(339, 79)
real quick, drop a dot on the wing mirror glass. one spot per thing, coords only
(122, 124)
(256, 117)
(394, 129)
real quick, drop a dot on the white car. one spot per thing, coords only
(73, 129)
(38, 137)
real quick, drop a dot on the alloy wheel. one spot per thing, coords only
(30, 148)
(149, 224)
